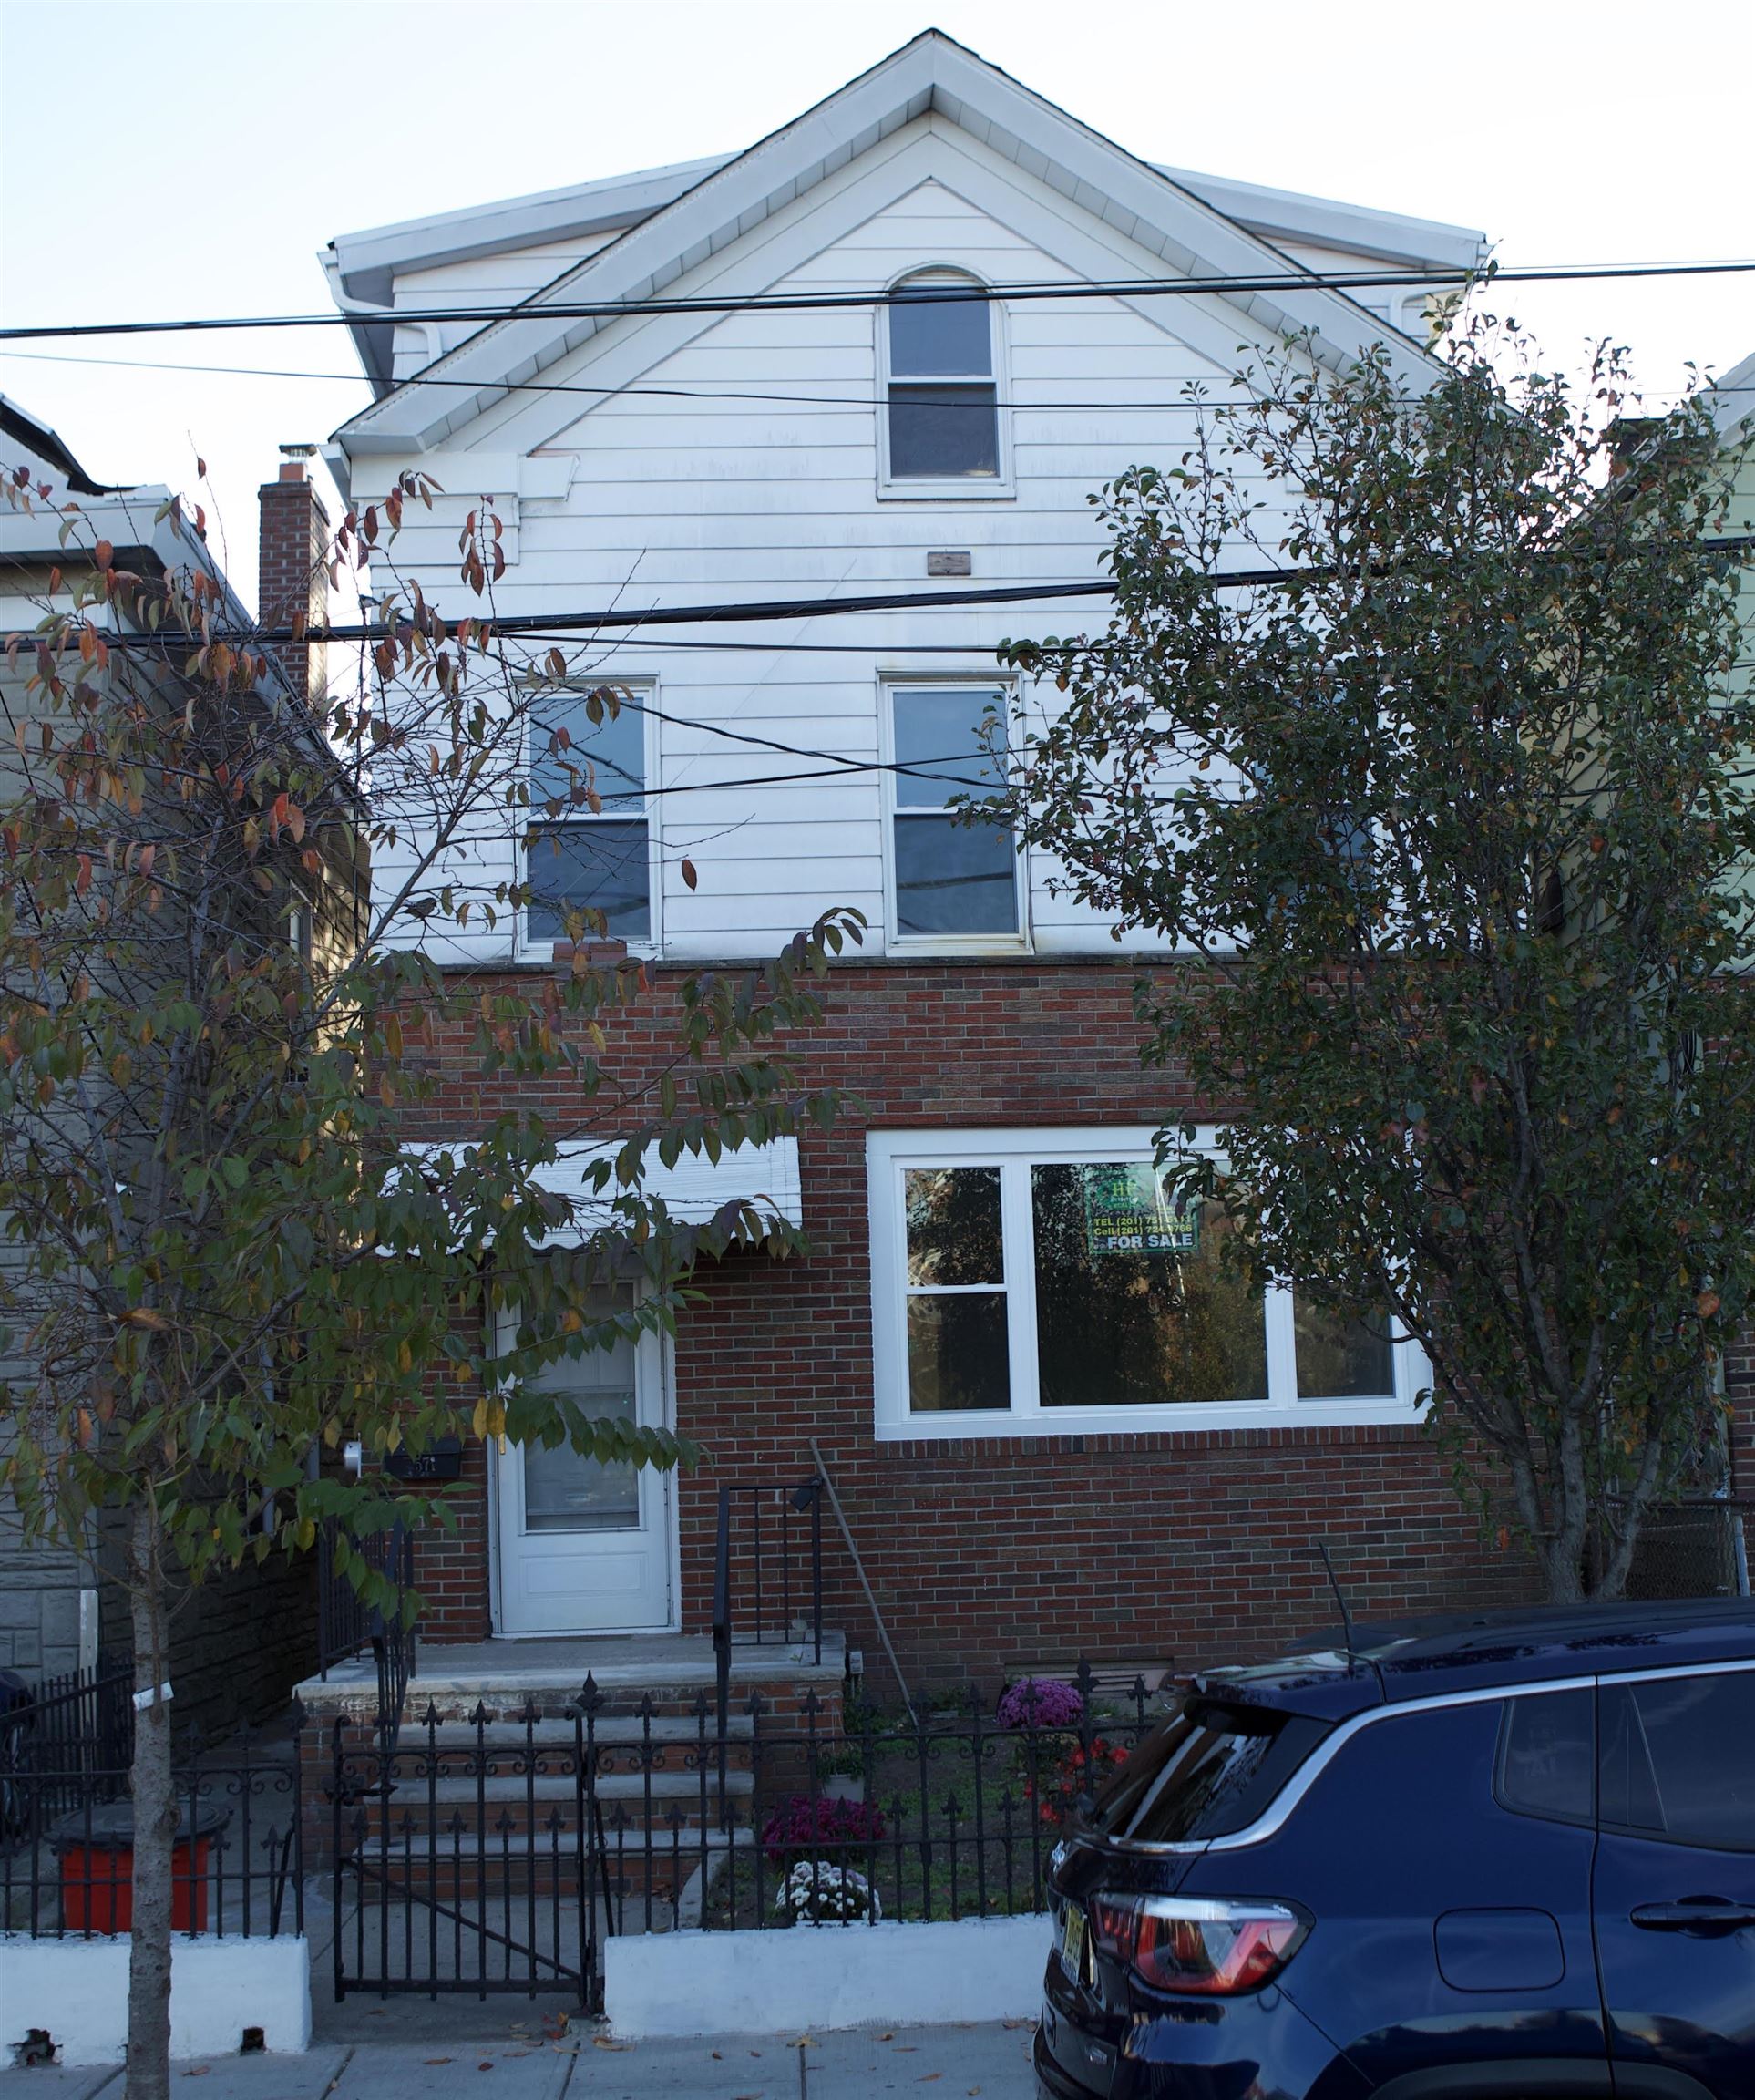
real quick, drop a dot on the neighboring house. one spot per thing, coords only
(238, 1643)
(1054, 1426)
(1732, 401)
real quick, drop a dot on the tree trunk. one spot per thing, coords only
(155, 1821)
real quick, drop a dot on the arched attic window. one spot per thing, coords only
(941, 365)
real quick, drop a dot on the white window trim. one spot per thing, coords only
(534, 949)
(951, 487)
(889, 1153)
(896, 942)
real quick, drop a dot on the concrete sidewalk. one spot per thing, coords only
(949, 2062)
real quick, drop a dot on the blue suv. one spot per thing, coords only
(1481, 1859)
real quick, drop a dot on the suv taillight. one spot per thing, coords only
(1197, 1943)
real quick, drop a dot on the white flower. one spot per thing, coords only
(818, 1893)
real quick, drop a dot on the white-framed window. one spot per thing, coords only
(952, 882)
(943, 430)
(1042, 1282)
(605, 858)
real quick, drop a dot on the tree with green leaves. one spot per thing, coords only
(240, 1229)
(1447, 814)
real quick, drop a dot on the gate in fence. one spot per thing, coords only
(467, 1856)
(496, 1854)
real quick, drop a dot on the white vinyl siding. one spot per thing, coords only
(707, 491)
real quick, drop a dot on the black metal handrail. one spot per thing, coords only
(747, 1501)
(722, 1636)
(345, 1625)
(783, 1576)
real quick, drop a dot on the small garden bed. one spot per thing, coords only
(952, 1817)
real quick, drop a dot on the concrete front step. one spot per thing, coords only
(670, 1671)
(612, 1731)
(550, 1749)
(550, 1787)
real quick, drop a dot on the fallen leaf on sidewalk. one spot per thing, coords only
(927, 2078)
(437, 2059)
(1017, 2023)
(603, 2042)
(484, 2067)
(198, 2070)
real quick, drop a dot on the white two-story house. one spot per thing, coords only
(1053, 1423)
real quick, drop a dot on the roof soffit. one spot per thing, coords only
(525, 423)
(1190, 236)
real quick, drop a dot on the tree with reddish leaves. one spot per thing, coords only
(240, 1230)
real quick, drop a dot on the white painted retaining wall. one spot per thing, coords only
(75, 1990)
(815, 1977)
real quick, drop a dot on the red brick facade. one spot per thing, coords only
(987, 1554)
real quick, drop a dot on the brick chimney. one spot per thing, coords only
(294, 575)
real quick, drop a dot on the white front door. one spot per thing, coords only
(585, 1548)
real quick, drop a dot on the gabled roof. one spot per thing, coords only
(679, 217)
(36, 438)
(1732, 401)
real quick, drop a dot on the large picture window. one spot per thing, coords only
(580, 857)
(953, 879)
(1042, 1282)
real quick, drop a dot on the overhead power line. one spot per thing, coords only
(1187, 402)
(829, 301)
(541, 625)
(537, 625)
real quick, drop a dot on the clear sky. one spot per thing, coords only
(172, 159)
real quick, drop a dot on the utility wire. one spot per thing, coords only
(828, 302)
(1187, 402)
(543, 625)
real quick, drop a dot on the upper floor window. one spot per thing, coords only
(942, 421)
(580, 857)
(953, 879)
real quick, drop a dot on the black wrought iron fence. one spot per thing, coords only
(497, 1853)
(67, 1857)
(63, 1742)
(858, 1816)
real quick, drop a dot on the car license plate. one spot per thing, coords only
(1073, 1943)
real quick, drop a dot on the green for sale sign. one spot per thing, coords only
(1128, 1210)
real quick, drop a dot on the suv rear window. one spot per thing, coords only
(1209, 1769)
